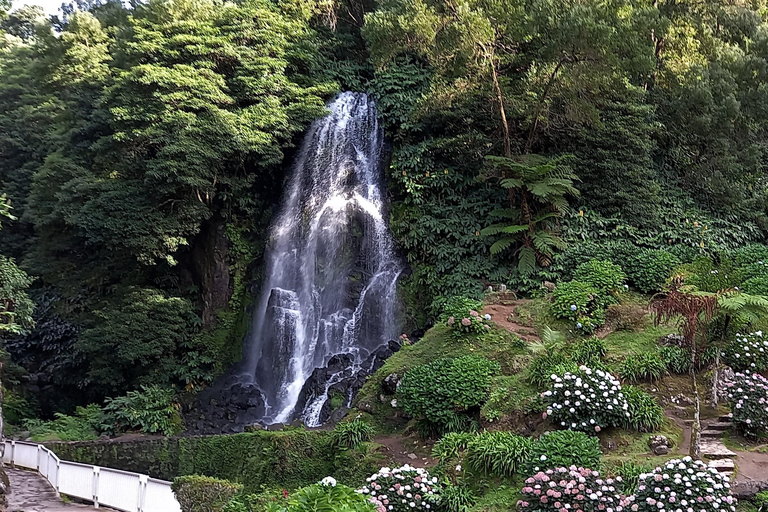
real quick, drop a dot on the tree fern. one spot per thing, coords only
(538, 189)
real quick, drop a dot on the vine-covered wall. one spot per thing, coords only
(289, 459)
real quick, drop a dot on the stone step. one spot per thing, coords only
(725, 417)
(715, 449)
(720, 425)
(723, 465)
(711, 433)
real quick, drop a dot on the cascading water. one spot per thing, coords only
(331, 271)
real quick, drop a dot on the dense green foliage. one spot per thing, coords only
(497, 453)
(84, 425)
(641, 367)
(151, 410)
(442, 390)
(645, 414)
(322, 497)
(352, 433)
(563, 448)
(197, 493)
(290, 459)
(142, 148)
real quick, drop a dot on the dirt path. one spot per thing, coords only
(506, 317)
(407, 450)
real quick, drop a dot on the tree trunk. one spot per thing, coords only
(210, 255)
(544, 94)
(696, 432)
(503, 113)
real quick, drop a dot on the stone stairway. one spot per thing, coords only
(712, 447)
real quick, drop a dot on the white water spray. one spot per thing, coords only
(331, 270)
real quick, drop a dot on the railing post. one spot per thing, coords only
(142, 492)
(13, 454)
(58, 474)
(95, 487)
(39, 449)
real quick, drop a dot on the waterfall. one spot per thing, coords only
(331, 271)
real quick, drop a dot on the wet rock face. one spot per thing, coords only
(339, 381)
(227, 407)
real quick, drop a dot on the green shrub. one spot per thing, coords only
(630, 474)
(649, 269)
(85, 425)
(588, 350)
(642, 367)
(757, 285)
(676, 359)
(203, 494)
(497, 453)
(326, 496)
(452, 445)
(563, 448)
(439, 391)
(457, 498)
(645, 415)
(581, 303)
(151, 410)
(761, 501)
(352, 433)
(707, 276)
(459, 307)
(541, 369)
(602, 275)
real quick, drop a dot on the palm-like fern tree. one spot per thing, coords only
(537, 189)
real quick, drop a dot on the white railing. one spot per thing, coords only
(121, 490)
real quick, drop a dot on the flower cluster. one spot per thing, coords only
(685, 485)
(570, 490)
(402, 489)
(589, 400)
(472, 324)
(747, 352)
(748, 395)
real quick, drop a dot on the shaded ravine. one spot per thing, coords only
(331, 270)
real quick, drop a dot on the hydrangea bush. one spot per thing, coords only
(473, 323)
(748, 395)
(571, 490)
(683, 485)
(589, 400)
(748, 352)
(402, 489)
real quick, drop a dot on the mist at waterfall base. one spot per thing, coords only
(326, 316)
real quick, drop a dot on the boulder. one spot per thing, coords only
(659, 445)
(674, 340)
(226, 407)
(390, 383)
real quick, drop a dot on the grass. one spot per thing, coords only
(509, 395)
(498, 498)
(734, 441)
(633, 446)
(620, 344)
